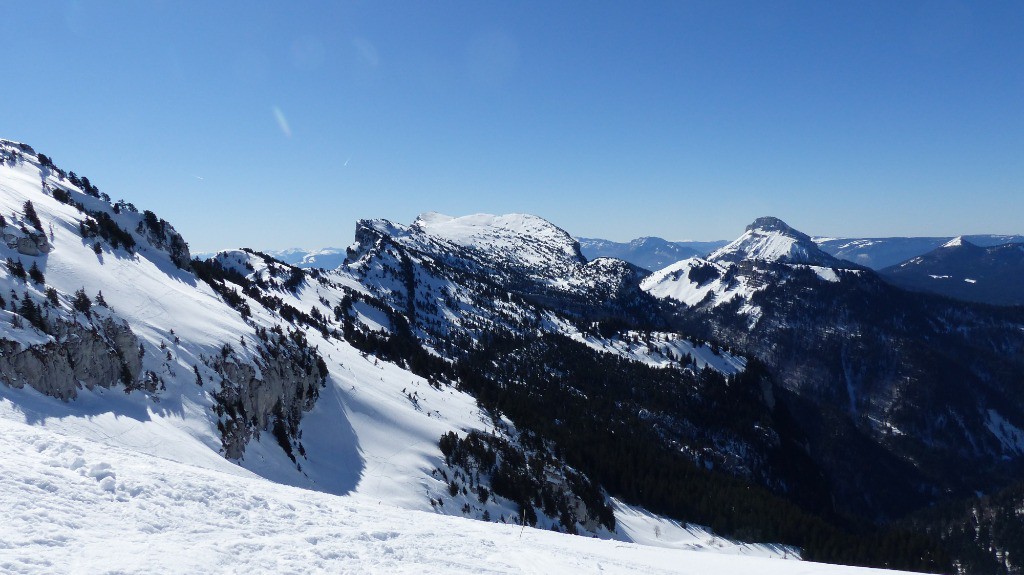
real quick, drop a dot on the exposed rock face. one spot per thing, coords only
(30, 244)
(272, 394)
(163, 236)
(102, 355)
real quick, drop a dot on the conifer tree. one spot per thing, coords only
(16, 268)
(36, 274)
(31, 216)
(81, 301)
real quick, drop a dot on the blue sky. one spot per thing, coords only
(274, 125)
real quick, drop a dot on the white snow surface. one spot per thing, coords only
(660, 349)
(674, 282)
(757, 244)
(72, 505)
(826, 273)
(489, 232)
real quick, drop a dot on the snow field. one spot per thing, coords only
(71, 505)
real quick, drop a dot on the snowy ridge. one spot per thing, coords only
(519, 242)
(460, 276)
(650, 253)
(984, 274)
(880, 253)
(665, 350)
(323, 258)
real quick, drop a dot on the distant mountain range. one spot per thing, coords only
(967, 271)
(880, 253)
(983, 269)
(654, 253)
(323, 258)
(650, 253)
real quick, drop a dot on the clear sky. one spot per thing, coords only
(280, 124)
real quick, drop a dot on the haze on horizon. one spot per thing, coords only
(280, 126)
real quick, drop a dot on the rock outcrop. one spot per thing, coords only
(104, 354)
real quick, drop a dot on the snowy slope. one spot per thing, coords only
(72, 505)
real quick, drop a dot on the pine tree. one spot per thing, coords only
(81, 302)
(30, 311)
(36, 275)
(16, 268)
(31, 216)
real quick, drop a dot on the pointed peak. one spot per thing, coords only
(957, 242)
(771, 239)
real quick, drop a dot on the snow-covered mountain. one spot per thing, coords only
(880, 253)
(964, 270)
(770, 239)
(869, 362)
(245, 373)
(481, 367)
(736, 271)
(652, 253)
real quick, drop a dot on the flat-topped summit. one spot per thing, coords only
(773, 224)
